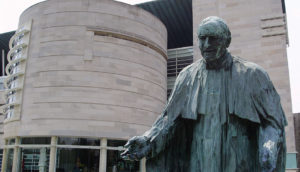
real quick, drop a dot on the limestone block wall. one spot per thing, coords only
(95, 68)
(259, 35)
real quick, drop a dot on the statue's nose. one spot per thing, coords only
(206, 42)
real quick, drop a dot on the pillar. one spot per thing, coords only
(103, 155)
(52, 161)
(16, 159)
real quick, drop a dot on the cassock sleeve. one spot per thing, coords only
(162, 130)
(271, 139)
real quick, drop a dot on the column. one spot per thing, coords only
(52, 161)
(143, 165)
(16, 159)
(103, 155)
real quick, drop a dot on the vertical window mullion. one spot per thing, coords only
(53, 150)
(103, 155)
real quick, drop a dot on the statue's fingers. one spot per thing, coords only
(124, 153)
(130, 142)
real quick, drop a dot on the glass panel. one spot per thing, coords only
(36, 141)
(116, 164)
(11, 141)
(116, 143)
(78, 141)
(35, 160)
(77, 160)
(1, 156)
(9, 162)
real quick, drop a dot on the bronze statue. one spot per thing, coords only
(223, 115)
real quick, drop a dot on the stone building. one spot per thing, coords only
(85, 76)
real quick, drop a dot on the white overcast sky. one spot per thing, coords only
(10, 11)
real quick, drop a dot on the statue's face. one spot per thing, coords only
(212, 42)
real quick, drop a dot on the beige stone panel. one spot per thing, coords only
(82, 128)
(61, 47)
(109, 67)
(117, 9)
(107, 81)
(98, 112)
(70, 33)
(104, 20)
(11, 129)
(91, 95)
(128, 50)
(109, 7)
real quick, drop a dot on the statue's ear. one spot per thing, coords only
(228, 42)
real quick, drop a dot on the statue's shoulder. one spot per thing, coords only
(245, 67)
(188, 70)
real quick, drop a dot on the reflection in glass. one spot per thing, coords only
(116, 143)
(1, 156)
(9, 161)
(35, 160)
(11, 141)
(9, 114)
(77, 160)
(37, 140)
(78, 141)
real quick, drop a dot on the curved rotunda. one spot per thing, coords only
(80, 85)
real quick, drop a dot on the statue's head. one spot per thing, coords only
(214, 38)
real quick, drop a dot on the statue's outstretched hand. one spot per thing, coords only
(136, 148)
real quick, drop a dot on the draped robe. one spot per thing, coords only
(219, 118)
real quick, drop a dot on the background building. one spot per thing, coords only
(87, 75)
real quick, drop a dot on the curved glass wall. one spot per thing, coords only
(34, 160)
(77, 160)
(70, 155)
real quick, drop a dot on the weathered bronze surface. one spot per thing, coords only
(223, 115)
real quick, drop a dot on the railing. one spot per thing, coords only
(15, 71)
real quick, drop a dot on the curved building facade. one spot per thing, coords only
(83, 77)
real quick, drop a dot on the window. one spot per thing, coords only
(36, 141)
(77, 160)
(9, 160)
(78, 141)
(34, 159)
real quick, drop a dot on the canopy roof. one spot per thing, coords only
(178, 18)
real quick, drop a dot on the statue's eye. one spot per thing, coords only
(202, 38)
(213, 38)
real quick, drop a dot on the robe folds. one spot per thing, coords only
(219, 119)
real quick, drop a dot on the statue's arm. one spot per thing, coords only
(160, 134)
(271, 141)
(271, 145)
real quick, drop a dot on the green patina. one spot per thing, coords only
(223, 115)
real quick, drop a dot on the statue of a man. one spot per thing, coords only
(223, 115)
